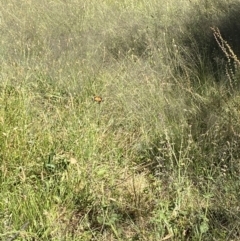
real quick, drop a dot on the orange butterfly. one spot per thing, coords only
(98, 99)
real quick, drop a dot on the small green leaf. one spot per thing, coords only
(101, 172)
(204, 227)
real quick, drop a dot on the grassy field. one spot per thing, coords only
(158, 158)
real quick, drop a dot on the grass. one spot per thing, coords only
(157, 159)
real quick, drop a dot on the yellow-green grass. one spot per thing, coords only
(157, 159)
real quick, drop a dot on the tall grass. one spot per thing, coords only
(157, 159)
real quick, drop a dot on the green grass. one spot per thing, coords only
(158, 159)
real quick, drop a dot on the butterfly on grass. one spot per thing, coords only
(98, 99)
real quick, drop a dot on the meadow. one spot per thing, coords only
(157, 158)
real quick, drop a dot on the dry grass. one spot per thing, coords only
(157, 159)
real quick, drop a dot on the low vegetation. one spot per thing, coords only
(157, 158)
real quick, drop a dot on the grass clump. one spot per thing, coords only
(157, 158)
